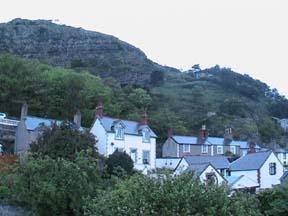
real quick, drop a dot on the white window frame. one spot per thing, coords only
(185, 150)
(148, 160)
(217, 149)
(272, 168)
(136, 154)
(146, 135)
(233, 149)
(284, 156)
(204, 149)
(119, 129)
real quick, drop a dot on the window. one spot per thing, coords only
(133, 155)
(272, 168)
(119, 133)
(233, 149)
(146, 135)
(219, 149)
(211, 178)
(146, 157)
(119, 149)
(284, 156)
(204, 148)
(186, 148)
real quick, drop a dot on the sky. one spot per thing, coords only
(249, 36)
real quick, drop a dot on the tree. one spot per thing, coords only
(55, 187)
(119, 160)
(63, 141)
(140, 98)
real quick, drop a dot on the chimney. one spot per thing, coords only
(99, 109)
(144, 119)
(170, 132)
(228, 137)
(203, 132)
(24, 111)
(252, 145)
(77, 119)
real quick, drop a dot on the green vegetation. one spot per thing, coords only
(76, 183)
(141, 195)
(119, 162)
(175, 100)
(63, 141)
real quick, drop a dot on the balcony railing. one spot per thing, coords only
(9, 122)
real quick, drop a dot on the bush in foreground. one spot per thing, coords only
(55, 186)
(141, 195)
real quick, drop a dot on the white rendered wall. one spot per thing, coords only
(169, 163)
(100, 134)
(267, 180)
(134, 142)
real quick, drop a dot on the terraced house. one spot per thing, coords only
(135, 138)
(179, 146)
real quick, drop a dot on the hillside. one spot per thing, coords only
(69, 47)
(220, 98)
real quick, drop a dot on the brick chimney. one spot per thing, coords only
(203, 132)
(252, 145)
(77, 119)
(24, 111)
(228, 136)
(99, 109)
(170, 132)
(144, 119)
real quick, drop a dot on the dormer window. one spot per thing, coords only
(146, 135)
(119, 132)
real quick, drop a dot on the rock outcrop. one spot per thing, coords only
(70, 47)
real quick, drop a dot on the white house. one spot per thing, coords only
(242, 183)
(262, 167)
(204, 167)
(168, 162)
(135, 138)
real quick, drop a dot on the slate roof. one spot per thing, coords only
(280, 150)
(284, 177)
(131, 127)
(210, 141)
(252, 161)
(219, 162)
(33, 122)
(197, 168)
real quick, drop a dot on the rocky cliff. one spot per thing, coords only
(69, 47)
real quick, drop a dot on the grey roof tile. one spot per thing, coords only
(131, 127)
(219, 162)
(252, 161)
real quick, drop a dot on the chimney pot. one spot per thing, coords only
(99, 109)
(170, 132)
(144, 119)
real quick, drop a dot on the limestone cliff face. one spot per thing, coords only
(69, 47)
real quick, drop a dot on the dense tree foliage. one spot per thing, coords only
(179, 101)
(63, 141)
(142, 195)
(54, 186)
(119, 160)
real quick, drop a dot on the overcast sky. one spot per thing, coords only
(250, 36)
